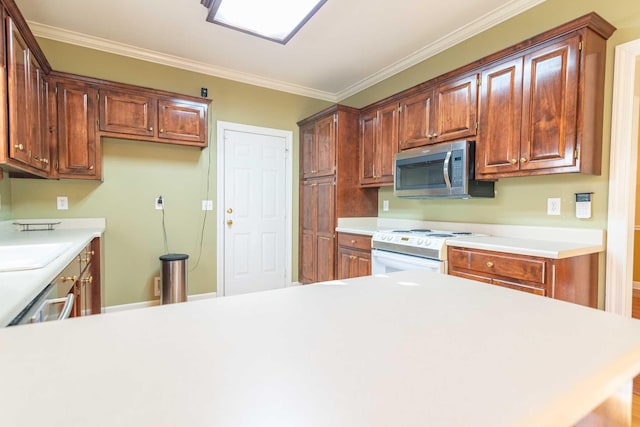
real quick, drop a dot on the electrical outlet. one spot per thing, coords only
(159, 203)
(156, 286)
(385, 205)
(207, 205)
(553, 206)
(62, 203)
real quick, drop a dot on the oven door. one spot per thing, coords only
(387, 262)
(55, 302)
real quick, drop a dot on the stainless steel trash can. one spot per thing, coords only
(173, 278)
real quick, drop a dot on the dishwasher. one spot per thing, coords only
(54, 302)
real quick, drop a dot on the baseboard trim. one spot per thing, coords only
(144, 304)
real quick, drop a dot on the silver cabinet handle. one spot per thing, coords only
(66, 309)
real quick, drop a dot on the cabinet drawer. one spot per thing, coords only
(354, 241)
(520, 287)
(528, 269)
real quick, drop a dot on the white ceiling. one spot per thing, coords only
(347, 46)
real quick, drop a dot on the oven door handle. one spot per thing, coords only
(66, 309)
(445, 170)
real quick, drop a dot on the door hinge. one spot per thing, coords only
(580, 45)
(335, 118)
(55, 90)
(477, 126)
(98, 122)
(575, 154)
(478, 81)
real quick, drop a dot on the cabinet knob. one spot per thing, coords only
(352, 257)
(87, 279)
(69, 279)
(353, 242)
(229, 210)
(514, 161)
(434, 135)
(161, 130)
(151, 129)
(20, 147)
(489, 264)
(229, 222)
(91, 167)
(523, 160)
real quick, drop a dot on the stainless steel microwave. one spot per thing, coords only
(439, 171)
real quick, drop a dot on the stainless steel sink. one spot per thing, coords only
(29, 257)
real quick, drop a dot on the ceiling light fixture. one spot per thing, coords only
(275, 20)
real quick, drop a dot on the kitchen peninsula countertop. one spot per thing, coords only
(18, 288)
(407, 349)
(546, 242)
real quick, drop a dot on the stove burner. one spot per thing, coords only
(440, 235)
(462, 233)
(420, 230)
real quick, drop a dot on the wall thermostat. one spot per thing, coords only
(204, 92)
(583, 205)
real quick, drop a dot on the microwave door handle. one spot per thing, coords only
(445, 170)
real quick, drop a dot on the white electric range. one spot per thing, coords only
(412, 249)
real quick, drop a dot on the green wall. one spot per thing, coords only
(136, 172)
(519, 200)
(5, 198)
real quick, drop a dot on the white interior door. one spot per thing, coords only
(254, 211)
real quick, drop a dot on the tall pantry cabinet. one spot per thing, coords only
(329, 188)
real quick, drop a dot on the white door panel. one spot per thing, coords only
(255, 212)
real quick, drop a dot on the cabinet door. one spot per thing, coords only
(182, 121)
(353, 263)
(18, 89)
(79, 153)
(368, 149)
(308, 229)
(308, 147)
(550, 100)
(39, 116)
(387, 142)
(123, 112)
(416, 121)
(498, 143)
(326, 247)
(325, 139)
(456, 109)
(346, 263)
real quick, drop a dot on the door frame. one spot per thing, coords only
(623, 165)
(223, 126)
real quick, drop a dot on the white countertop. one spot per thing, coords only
(408, 349)
(18, 288)
(547, 242)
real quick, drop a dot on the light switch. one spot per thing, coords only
(62, 203)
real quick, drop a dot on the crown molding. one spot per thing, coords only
(109, 46)
(471, 29)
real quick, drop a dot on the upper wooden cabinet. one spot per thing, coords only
(318, 147)
(541, 108)
(27, 105)
(444, 112)
(378, 144)
(78, 145)
(127, 113)
(140, 114)
(533, 108)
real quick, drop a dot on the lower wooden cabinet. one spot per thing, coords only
(354, 255)
(87, 288)
(572, 279)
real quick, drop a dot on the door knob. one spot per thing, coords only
(229, 222)
(229, 210)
